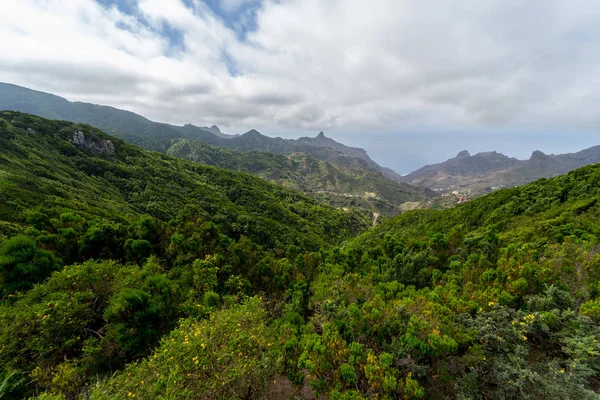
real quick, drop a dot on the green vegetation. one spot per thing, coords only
(136, 275)
(322, 168)
(349, 186)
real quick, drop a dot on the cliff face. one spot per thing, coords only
(96, 145)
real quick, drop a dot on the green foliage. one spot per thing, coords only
(230, 355)
(138, 317)
(591, 309)
(334, 183)
(187, 281)
(22, 264)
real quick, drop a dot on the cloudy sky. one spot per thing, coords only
(411, 81)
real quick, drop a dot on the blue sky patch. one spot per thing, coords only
(174, 36)
(241, 20)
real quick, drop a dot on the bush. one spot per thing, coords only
(231, 355)
(22, 264)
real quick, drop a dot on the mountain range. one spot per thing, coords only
(321, 167)
(132, 274)
(318, 166)
(484, 172)
(139, 130)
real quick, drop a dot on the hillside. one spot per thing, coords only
(346, 176)
(105, 177)
(484, 172)
(351, 186)
(132, 274)
(149, 135)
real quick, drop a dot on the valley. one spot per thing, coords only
(299, 200)
(131, 273)
(311, 165)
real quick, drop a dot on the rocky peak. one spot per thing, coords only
(321, 135)
(96, 145)
(464, 153)
(538, 155)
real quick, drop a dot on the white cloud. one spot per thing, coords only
(342, 65)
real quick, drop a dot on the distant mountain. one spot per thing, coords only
(141, 131)
(216, 131)
(125, 124)
(321, 167)
(484, 172)
(362, 186)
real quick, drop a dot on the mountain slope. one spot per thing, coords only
(42, 158)
(104, 247)
(132, 274)
(483, 172)
(145, 133)
(501, 289)
(128, 125)
(343, 187)
(494, 299)
(353, 179)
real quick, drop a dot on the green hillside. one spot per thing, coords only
(349, 186)
(131, 274)
(145, 133)
(329, 171)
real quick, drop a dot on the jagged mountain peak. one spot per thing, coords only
(464, 153)
(214, 130)
(538, 155)
(491, 170)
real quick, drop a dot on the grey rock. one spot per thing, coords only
(95, 145)
(78, 139)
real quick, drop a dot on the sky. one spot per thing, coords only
(411, 81)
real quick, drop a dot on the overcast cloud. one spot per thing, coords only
(411, 81)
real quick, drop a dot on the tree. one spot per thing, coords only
(22, 264)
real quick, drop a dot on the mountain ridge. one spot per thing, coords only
(141, 131)
(127, 273)
(345, 183)
(343, 187)
(487, 171)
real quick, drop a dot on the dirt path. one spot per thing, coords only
(375, 216)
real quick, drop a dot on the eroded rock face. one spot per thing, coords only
(95, 145)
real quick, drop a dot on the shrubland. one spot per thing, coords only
(137, 275)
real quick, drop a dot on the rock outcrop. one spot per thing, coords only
(94, 144)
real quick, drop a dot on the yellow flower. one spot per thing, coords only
(491, 303)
